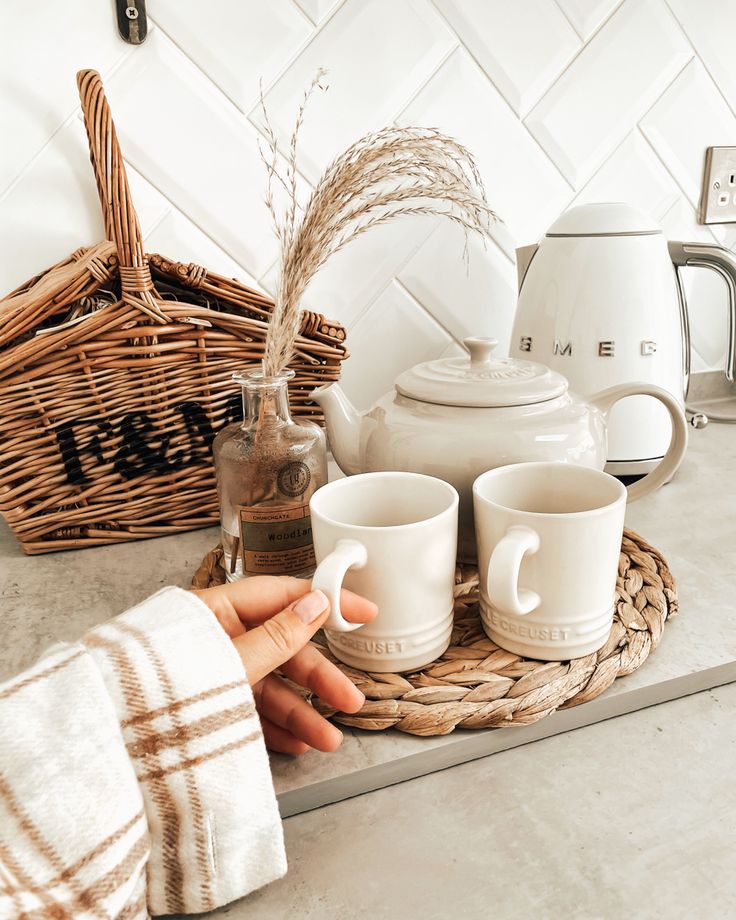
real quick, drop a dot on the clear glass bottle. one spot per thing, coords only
(268, 467)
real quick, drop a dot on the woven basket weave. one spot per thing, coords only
(115, 372)
(475, 684)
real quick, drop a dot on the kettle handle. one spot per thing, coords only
(717, 259)
(669, 464)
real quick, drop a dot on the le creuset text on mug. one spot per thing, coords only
(391, 537)
(549, 539)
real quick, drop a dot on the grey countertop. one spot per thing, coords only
(631, 816)
(691, 521)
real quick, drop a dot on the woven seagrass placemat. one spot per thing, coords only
(475, 684)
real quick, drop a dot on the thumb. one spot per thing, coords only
(278, 639)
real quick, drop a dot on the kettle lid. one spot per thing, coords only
(607, 218)
(480, 380)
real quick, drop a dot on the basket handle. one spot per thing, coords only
(121, 221)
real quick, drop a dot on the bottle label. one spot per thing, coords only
(276, 541)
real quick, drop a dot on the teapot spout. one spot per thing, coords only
(343, 422)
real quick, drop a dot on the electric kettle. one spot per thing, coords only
(601, 301)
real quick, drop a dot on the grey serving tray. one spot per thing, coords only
(45, 599)
(692, 521)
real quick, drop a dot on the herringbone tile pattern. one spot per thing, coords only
(562, 101)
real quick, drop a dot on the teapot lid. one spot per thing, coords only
(480, 380)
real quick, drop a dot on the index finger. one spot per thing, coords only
(255, 600)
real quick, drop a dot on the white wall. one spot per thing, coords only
(562, 101)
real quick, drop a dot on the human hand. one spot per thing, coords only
(271, 621)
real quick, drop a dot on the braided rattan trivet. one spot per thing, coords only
(477, 685)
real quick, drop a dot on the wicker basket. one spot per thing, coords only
(115, 372)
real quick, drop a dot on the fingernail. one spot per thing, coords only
(309, 607)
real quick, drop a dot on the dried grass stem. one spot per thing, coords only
(387, 174)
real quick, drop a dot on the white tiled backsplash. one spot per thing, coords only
(562, 102)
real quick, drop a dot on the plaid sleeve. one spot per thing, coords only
(73, 834)
(194, 739)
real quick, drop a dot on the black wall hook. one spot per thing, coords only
(132, 22)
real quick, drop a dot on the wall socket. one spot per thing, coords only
(718, 195)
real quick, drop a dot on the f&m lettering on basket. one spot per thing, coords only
(115, 376)
(144, 448)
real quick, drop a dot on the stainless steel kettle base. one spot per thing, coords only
(631, 467)
(711, 394)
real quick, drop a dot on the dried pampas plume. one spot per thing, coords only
(384, 175)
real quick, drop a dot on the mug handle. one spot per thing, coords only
(347, 554)
(668, 465)
(504, 592)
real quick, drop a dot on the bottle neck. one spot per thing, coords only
(266, 400)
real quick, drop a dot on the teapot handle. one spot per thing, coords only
(669, 464)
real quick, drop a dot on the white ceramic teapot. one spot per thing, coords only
(455, 418)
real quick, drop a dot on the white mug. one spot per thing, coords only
(549, 539)
(391, 537)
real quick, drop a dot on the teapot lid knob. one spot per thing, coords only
(483, 381)
(480, 348)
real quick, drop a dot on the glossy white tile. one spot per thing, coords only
(523, 47)
(608, 87)
(711, 27)
(523, 186)
(453, 350)
(229, 46)
(705, 290)
(698, 362)
(679, 223)
(196, 147)
(561, 101)
(43, 46)
(635, 174)
(150, 205)
(725, 234)
(689, 117)
(377, 54)
(392, 335)
(316, 10)
(53, 209)
(176, 237)
(352, 278)
(707, 302)
(587, 15)
(474, 299)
